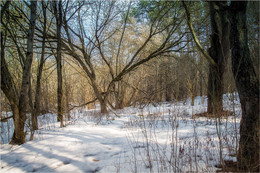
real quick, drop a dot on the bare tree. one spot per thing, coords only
(36, 105)
(218, 52)
(58, 15)
(19, 101)
(91, 50)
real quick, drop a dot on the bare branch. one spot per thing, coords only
(204, 52)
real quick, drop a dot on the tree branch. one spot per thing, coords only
(201, 49)
(92, 101)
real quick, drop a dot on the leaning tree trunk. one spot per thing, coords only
(219, 52)
(248, 89)
(8, 88)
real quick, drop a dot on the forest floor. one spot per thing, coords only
(165, 137)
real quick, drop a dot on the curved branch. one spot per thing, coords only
(201, 49)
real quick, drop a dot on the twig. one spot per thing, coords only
(6, 118)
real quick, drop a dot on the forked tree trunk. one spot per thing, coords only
(248, 89)
(101, 97)
(8, 88)
(219, 51)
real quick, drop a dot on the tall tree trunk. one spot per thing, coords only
(58, 14)
(36, 109)
(200, 76)
(46, 105)
(219, 52)
(167, 84)
(215, 90)
(8, 87)
(67, 94)
(23, 99)
(248, 88)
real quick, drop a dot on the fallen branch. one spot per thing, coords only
(92, 101)
(5, 119)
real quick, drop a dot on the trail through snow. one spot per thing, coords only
(121, 144)
(77, 148)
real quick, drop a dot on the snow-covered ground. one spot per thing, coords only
(156, 138)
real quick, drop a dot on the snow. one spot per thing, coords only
(157, 138)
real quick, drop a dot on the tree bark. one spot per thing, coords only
(119, 95)
(36, 108)
(58, 14)
(200, 48)
(101, 97)
(103, 106)
(219, 51)
(67, 94)
(167, 83)
(9, 90)
(248, 88)
(19, 138)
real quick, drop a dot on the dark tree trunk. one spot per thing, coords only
(7, 84)
(9, 90)
(119, 95)
(23, 100)
(67, 94)
(18, 135)
(215, 90)
(46, 105)
(58, 14)
(19, 102)
(103, 106)
(248, 89)
(201, 76)
(36, 108)
(101, 97)
(67, 103)
(167, 84)
(219, 51)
